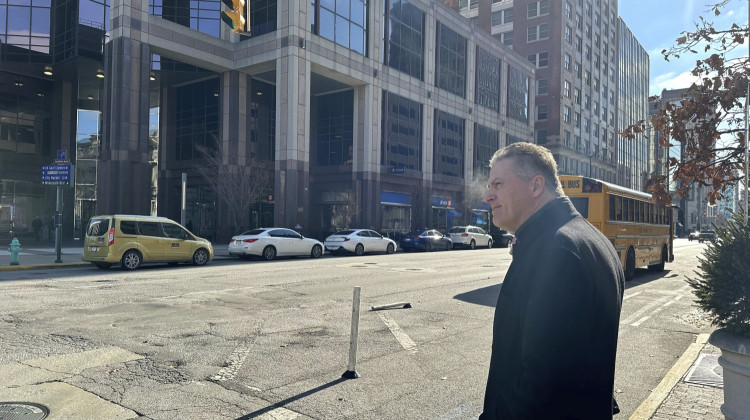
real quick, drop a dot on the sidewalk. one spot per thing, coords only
(43, 255)
(692, 389)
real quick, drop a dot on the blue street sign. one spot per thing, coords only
(397, 169)
(57, 175)
(61, 155)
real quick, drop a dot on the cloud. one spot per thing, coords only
(671, 80)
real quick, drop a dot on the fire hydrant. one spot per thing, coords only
(15, 249)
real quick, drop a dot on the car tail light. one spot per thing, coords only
(111, 235)
(251, 240)
(463, 235)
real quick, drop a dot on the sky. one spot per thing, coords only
(658, 23)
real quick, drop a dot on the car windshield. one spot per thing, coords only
(253, 232)
(344, 232)
(457, 229)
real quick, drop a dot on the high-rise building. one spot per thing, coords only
(395, 106)
(592, 81)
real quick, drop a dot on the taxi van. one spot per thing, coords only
(131, 240)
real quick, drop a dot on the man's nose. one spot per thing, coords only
(487, 196)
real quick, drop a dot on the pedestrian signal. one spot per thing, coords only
(235, 17)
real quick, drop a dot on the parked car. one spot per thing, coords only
(134, 240)
(470, 237)
(501, 237)
(427, 240)
(359, 241)
(707, 235)
(270, 243)
(694, 235)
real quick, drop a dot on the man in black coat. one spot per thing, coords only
(557, 316)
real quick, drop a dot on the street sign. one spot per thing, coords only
(397, 169)
(57, 175)
(61, 156)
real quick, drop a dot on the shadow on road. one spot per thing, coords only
(282, 403)
(486, 296)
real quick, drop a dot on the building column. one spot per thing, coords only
(292, 175)
(124, 174)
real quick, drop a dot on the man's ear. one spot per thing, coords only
(537, 186)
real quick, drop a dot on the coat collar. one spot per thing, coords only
(553, 214)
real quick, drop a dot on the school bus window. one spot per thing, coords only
(618, 208)
(611, 207)
(637, 213)
(581, 204)
(642, 212)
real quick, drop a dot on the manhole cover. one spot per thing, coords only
(706, 371)
(22, 411)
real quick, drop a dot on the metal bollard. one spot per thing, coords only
(351, 372)
(15, 249)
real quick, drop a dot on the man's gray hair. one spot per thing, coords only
(530, 160)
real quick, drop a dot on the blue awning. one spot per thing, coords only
(453, 213)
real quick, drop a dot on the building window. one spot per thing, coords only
(343, 22)
(577, 144)
(518, 95)
(587, 102)
(568, 34)
(449, 145)
(466, 5)
(588, 52)
(587, 78)
(587, 125)
(402, 132)
(542, 87)
(577, 119)
(488, 80)
(539, 59)
(502, 16)
(486, 143)
(579, 22)
(541, 136)
(25, 31)
(201, 15)
(566, 89)
(541, 112)
(579, 44)
(577, 96)
(507, 38)
(596, 85)
(537, 32)
(538, 8)
(262, 19)
(197, 119)
(567, 61)
(334, 131)
(566, 114)
(404, 38)
(567, 138)
(568, 9)
(451, 61)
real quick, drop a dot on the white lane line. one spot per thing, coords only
(406, 342)
(639, 313)
(631, 295)
(642, 320)
(280, 413)
(236, 359)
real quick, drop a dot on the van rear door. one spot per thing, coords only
(96, 243)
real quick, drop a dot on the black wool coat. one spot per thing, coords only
(556, 321)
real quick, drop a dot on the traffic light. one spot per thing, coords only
(235, 18)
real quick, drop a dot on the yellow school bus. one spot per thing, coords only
(640, 230)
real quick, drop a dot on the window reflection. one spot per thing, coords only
(335, 125)
(341, 21)
(404, 37)
(449, 145)
(402, 132)
(451, 61)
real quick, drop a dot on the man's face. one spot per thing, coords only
(509, 196)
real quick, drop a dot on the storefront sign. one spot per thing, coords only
(442, 202)
(397, 169)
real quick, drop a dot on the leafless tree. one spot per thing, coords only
(344, 215)
(237, 185)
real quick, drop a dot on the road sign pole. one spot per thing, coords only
(58, 226)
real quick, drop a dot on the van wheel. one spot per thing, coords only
(102, 265)
(131, 260)
(630, 265)
(317, 251)
(200, 257)
(269, 253)
(359, 250)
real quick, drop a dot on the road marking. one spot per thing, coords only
(406, 342)
(280, 413)
(639, 313)
(236, 359)
(642, 320)
(649, 406)
(631, 295)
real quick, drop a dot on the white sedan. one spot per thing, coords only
(359, 241)
(270, 243)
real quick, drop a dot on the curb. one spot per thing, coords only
(649, 406)
(43, 266)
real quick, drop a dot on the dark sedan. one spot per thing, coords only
(427, 240)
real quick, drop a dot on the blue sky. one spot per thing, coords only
(658, 23)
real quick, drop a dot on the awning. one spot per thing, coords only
(453, 213)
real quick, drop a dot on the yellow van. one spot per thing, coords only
(135, 240)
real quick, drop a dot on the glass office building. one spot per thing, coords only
(386, 110)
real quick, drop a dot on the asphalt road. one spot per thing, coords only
(254, 339)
